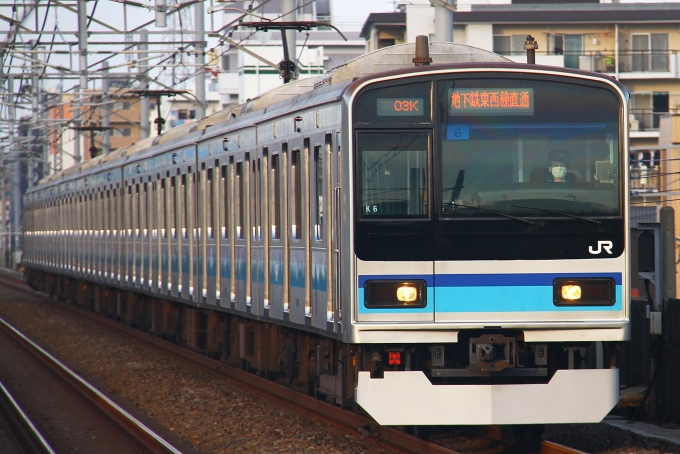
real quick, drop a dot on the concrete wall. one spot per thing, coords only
(479, 35)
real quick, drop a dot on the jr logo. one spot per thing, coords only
(606, 245)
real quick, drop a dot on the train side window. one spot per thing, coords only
(226, 192)
(296, 179)
(143, 210)
(107, 211)
(163, 216)
(318, 193)
(137, 220)
(240, 199)
(130, 214)
(276, 193)
(394, 177)
(86, 210)
(82, 214)
(256, 195)
(172, 208)
(185, 207)
(210, 204)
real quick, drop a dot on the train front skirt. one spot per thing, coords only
(408, 398)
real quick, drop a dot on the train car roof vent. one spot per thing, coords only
(422, 51)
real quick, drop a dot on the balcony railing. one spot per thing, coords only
(647, 119)
(645, 178)
(605, 61)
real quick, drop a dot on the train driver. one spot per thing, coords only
(557, 170)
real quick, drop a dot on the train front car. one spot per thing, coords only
(490, 237)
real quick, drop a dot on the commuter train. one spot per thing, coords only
(439, 244)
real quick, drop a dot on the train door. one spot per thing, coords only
(321, 311)
(183, 233)
(146, 227)
(154, 249)
(89, 249)
(174, 234)
(106, 233)
(188, 234)
(164, 236)
(298, 260)
(394, 231)
(128, 231)
(242, 238)
(334, 223)
(211, 237)
(227, 200)
(138, 201)
(119, 218)
(257, 200)
(276, 233)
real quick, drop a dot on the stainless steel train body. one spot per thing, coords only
(395, 238)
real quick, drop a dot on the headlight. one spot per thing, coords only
(571, 292)
(383, 294)
(584, 292)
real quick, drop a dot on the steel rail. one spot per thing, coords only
(128, 426)
(23, 431)
(548, 447)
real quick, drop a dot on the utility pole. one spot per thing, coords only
(82, 47)
(144, 106)
(3, 216)
(290, 15)
(443, 20)
(106, 109)
(199, 12)
(34, 172)
(7, 240)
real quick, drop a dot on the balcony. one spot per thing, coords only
(645, 178)
(632, 64)
(647, 119)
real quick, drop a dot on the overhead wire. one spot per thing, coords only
(180, 50)
(203, 67)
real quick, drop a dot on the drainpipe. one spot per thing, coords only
(616, 51)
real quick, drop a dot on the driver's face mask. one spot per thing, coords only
(558, 172)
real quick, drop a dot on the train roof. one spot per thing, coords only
(387, 59)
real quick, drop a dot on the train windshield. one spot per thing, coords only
(528, 148)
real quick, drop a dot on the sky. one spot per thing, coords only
(356, 11)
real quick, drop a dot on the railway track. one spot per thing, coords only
(20, 431)
(70, 412)
(387, 436)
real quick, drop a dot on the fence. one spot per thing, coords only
(635, 358)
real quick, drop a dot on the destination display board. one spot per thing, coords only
(491, 101)
(401, 107)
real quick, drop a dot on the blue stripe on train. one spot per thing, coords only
(492, 292)
(508, 299)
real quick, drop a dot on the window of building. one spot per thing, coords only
(649, 52)
(186, 114)
(508, 44)
(125, 132)
(382, 43)
(573, 49)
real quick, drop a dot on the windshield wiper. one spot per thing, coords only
(500, 213)
(559, 212)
